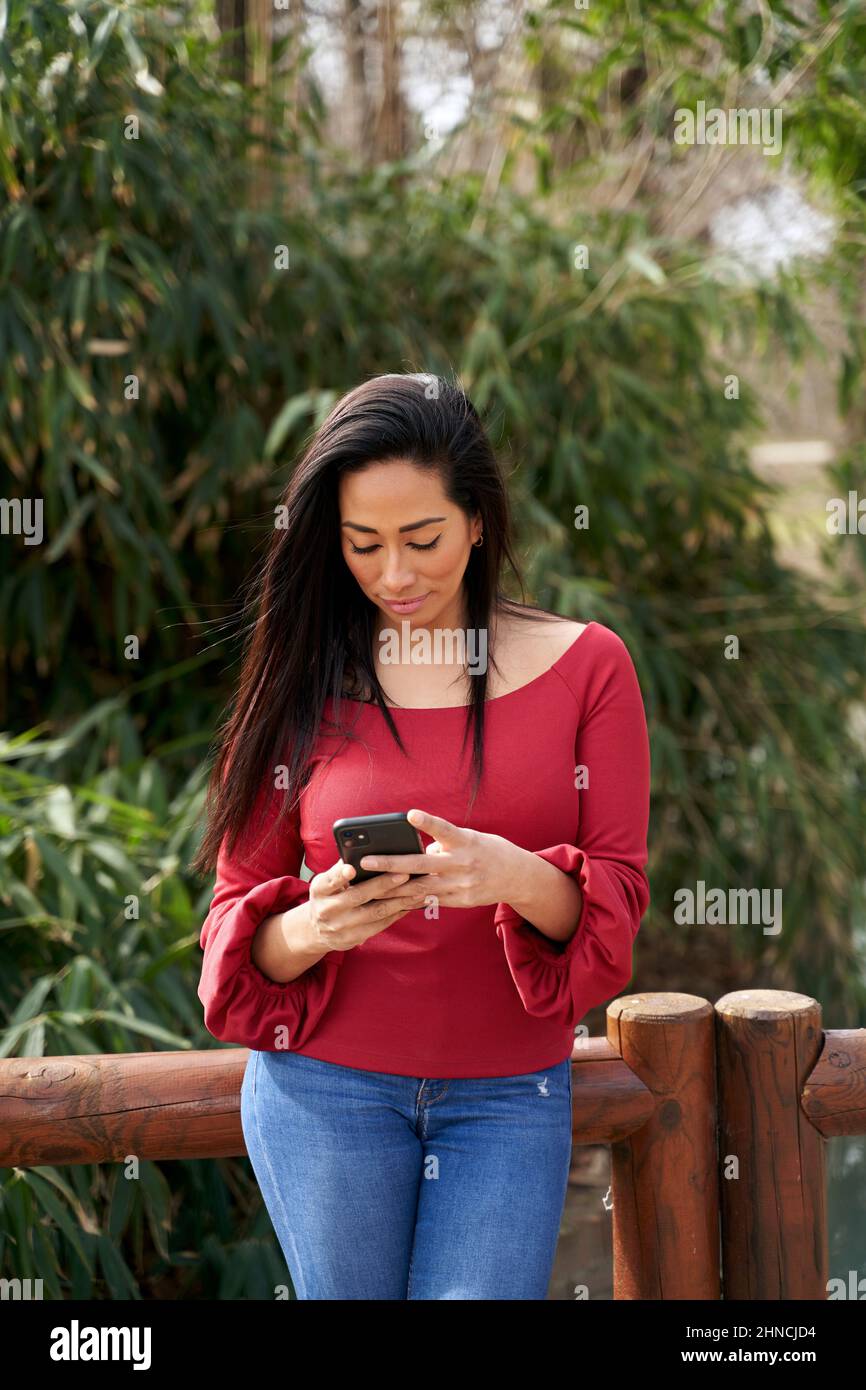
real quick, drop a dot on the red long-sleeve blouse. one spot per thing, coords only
(476, 991)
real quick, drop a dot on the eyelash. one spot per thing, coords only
(368, 549)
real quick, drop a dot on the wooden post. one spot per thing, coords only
(774, 1217)
(665, 1174)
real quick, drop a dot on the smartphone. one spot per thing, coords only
(386, 834)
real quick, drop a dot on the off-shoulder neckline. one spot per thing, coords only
(497, 699)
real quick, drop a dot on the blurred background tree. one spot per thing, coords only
(193, 266)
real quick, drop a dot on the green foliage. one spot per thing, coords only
(155, 258)
(137, 288)
(105, 922)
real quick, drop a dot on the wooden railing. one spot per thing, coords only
(716, 1117)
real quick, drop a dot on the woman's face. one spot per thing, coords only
(380, 511)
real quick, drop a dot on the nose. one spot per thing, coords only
(397, 575)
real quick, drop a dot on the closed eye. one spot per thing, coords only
(413, 545)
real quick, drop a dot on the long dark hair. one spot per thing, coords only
(311, 624)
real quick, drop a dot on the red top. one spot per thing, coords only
(480, 991)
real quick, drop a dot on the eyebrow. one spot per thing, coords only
(413, 525)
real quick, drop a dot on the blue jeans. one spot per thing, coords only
(403, 1187)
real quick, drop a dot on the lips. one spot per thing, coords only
(405, 604)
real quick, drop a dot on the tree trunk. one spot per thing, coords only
(231, 17)
(360, 112)
(391, 123)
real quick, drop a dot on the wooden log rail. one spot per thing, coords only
(716, 1117)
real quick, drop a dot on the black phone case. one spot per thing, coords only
(386, 834)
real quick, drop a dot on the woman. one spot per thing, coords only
(407, 1101)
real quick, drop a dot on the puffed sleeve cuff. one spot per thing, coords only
(241, 1004)
(564, 981)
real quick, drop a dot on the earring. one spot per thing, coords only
(480, 540)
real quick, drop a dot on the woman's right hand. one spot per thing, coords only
(342, 917)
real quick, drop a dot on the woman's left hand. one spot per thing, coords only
(471, 869)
